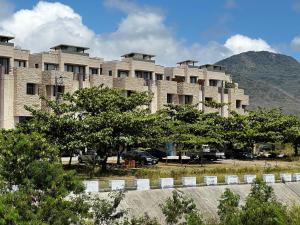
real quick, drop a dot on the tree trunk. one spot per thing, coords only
(119, 155)
(104, 164)
(70, 160)
(180, 157)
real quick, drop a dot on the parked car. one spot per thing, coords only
(243, 155)
(157, 153)
(89, 157)
(141, 157)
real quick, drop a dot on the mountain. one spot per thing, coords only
(270, 79)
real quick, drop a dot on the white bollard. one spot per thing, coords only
(117, 185)
(91, 186)
(189, 181)
(249, 179)
(166, 183)
(296, 177)
(210, 180)
(286, 177)
(142, 184)
(269, 178)
(231, 179)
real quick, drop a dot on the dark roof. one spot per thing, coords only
(212, 65)
(136, 53)
(6, 37)
(63, 45)
(188, 61)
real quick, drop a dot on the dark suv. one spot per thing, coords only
(142, 158)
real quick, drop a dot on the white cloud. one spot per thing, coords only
(240, 43)
(295, 43)
(142, 30)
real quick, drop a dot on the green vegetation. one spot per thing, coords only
(104, 120)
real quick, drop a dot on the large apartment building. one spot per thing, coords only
(24, 77)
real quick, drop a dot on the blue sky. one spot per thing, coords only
(207, 30)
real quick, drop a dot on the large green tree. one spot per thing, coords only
(36, 189)
(97, 118)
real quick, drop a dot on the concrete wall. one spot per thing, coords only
(206, 198)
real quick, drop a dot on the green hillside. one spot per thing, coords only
(271, 80)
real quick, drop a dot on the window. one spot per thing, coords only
(122, 73)
(110, 73)
(36, 66)
(100, 71)
(31, 89)
(238, 104)
(19, 63)
(51, 66)
(193, 80)
(147, 75)
(188, 99)
(4, 62)
(93, 71)
(158, 76)
(167, 78)
(169, 98)
(213, 83)
(75, 69)
(23, 119)
(60, 90)
(208, 99)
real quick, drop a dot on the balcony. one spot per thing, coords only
(7, 44)
(75, 53)
(188, 88)
(129, 83)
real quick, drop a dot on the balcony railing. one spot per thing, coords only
(75, 53)
(7, 44)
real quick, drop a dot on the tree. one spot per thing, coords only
(188, 128)
(262, 207)
(43, 188)
(97, 118)
(228, 209)
(178, 207)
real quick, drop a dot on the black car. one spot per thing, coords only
(157, 153)
(244, 155)
(141, 157)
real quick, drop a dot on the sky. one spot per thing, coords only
(173, 30)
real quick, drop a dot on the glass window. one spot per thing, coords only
(93, 71)
(193, 80)
(158, 76)
(188, 99)
(51, 66)
(238, 104)
(213, 83)
(31, 89)
(123, 73)
(110, 73)
(4, 62)
(19, 63)
(169, 98)
(60, 90)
